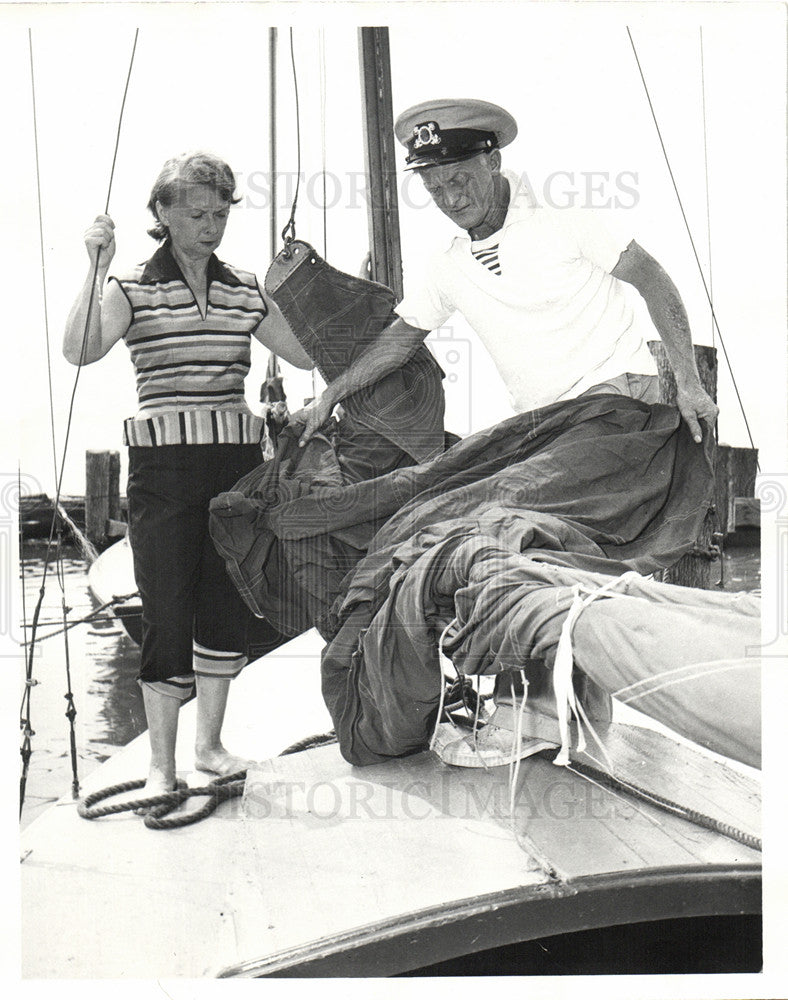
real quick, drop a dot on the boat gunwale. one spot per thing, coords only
(408, 942)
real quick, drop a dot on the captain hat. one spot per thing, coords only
(450, 130)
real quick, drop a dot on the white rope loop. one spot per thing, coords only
(566, 703)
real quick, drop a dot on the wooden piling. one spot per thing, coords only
(692, 570)
(736, 472)
(102, 494)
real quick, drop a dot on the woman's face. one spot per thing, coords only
(196, 220)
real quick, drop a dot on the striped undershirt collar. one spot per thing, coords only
(488, 257)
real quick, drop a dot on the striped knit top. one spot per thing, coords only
(190, 368)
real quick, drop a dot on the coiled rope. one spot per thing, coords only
(221, 789)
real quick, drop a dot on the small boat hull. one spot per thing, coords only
(111, 576)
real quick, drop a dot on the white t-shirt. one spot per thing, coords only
(540, 296)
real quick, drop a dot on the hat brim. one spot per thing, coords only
(451, 113)
(424, 163)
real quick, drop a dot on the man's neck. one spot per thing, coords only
(497, 214)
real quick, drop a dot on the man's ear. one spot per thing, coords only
(495, 161)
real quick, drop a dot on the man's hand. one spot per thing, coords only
(312, 416)
(695, 405)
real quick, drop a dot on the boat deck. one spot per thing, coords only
(324, 869)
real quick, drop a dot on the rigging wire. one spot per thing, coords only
(41, 247)
(272, 44)
(24, 711)
(272, 368)
(322, 74)
(706, 172)
(71, 708)
(289, 232)
(56, 525)
(692, 241)
(322, 63)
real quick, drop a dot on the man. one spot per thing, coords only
(542, 287)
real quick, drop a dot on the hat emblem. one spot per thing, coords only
(426, 134)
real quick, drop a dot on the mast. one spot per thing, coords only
(379, 158)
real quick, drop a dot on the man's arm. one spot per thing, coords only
(393, 347)
(669, 316)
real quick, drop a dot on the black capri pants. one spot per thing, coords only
(188, 600)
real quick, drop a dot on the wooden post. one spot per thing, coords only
(102, 493)
(691, 570)
(380, 158)
(705, 359)
(736, 472)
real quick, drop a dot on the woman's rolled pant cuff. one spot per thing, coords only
(217, 663)
(174, 687)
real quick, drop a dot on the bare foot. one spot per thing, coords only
(217, 760)
(160, 781)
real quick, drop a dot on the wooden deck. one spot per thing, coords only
(325, 870)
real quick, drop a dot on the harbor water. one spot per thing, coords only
(104, 663)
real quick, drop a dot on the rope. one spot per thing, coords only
(232, 786)
(272, 42)
(322, 62)
(26, 749)
(71, 709)
(310, 742)
(706, 173)
(669, 805)
(565, 698)
(692, 243)
(289, 232)
(219, 790)
(56, 525)
(41, 249)
(442, 699)
(94, 616)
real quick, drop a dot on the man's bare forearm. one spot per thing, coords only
(394, 346)
(670, 319)
(638, 268)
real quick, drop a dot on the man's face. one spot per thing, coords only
(465, 191)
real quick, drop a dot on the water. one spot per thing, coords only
(741, 567)
(104, 664)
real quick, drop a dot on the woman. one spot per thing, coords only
(187, 319)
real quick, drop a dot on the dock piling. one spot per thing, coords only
(693, 569)
(102, 494)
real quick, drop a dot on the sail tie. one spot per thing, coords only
(566, 703)
(442, 638)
